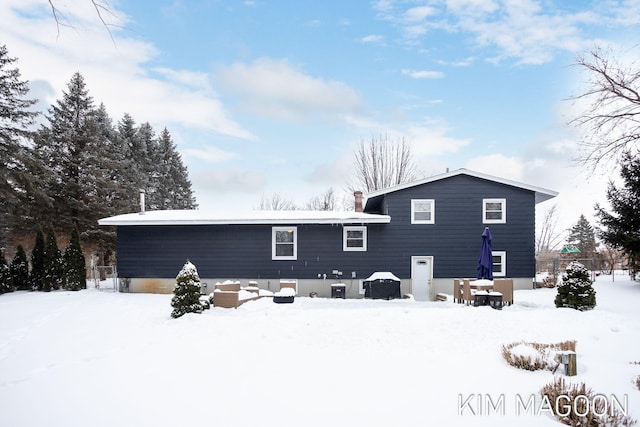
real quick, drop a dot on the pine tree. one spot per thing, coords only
(74, 264)
(53, 268)
(174, 189)
(19, 270)
(17, 163)
(5, 277)
(621, 224)
(70, 145)
(583, 236)
(576, 289)
(186, 298)
(38, 263)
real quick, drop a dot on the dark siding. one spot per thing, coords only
(236, 251)
(244, 251)
(455, 238)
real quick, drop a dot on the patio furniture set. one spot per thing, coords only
(494, 293)
(230, 294)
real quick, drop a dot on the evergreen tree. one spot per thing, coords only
(174, 189)
(583, 236)
(74, 264)
(148, 165)
(186, 293)
(70, 145)
(5, 277)
(38, 263)
(19, 270)
(621, 224)
(126, 171)
(53, 267)
(576, 290)
(17, 163)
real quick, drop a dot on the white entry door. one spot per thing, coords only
(421, 277)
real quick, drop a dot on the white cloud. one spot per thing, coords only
(423, 74)
(161, 97)
(498, 165)
(372, 38)
(520, 29)
(209, 154)
(274, 88)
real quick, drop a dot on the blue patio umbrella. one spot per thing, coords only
(485, 263)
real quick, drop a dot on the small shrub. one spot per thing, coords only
(577, 405)
(186, 293)
(576, 289)
(534, 356)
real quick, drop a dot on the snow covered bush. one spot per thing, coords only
(533, 356)
(5, 278)
(577, 405)
(186, 293)
(74, 264)
(576, 289)
(19, 270)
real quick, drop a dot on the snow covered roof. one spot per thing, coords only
(542, 194)
(202, 217)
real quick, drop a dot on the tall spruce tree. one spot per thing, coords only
(74, 264)
(17, 163)
(621, 224)
(5, 277)
(19, 270)
(53, 267)
(576, 289)
(583, 236)
(38, 262)
(186, 293)
(174, 189)
(69, 144)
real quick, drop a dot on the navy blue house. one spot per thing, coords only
(426, 233)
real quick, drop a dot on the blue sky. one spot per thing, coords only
(267, 97)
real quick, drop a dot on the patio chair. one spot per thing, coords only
(457, 291)
(289, 284)
(467, 294)
(505, 287)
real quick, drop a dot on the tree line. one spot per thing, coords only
(78, 166)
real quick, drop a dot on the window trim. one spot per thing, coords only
(414, 202)
(502, 220)
(274, 231)
(345, 231)
(502, 263)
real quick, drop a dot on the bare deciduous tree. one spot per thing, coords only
(549, 237)
(276, 202)
(102, 8)
(611, 119)
(381, 163)
(326, 201)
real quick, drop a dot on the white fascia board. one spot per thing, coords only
(541, 194)
(196, 217)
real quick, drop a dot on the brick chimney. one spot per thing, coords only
(358, 199)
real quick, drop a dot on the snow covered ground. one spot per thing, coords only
(96, 358)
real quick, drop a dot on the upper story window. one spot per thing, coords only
(494, 211)
(354, 238)
(423, 211)
(284, 243)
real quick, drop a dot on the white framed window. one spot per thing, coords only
(284, 243)
(354, 238)
(423, 211)
(494, 211)
(499, 263)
